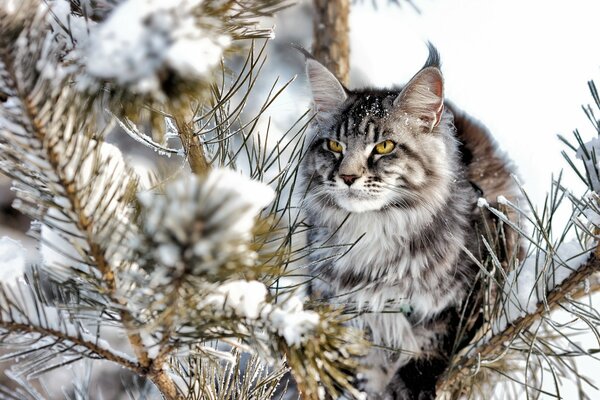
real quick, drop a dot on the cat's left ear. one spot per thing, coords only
(423, 97)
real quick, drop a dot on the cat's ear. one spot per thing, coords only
(423, 97)
(327, 92)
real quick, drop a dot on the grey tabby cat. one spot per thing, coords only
(392, 179)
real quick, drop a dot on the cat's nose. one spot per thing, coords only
(349, 179)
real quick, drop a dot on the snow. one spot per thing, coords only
(591, 210)
(142, 38)
(481, 202)
(527, 285)
(245, 299)
(502, 200)
(292, 322)
(12, 260)
(60, 18)
(248, 299)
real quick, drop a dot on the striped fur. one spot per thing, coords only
(393, 239)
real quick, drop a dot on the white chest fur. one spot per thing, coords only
(376, 245)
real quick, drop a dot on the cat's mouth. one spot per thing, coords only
(356, 193)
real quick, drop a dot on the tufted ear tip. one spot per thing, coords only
(423, 97)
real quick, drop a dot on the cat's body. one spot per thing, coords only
(389, 227)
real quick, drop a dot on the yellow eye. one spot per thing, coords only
(385, 147)
(334, 146)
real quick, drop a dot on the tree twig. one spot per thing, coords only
(192, 145)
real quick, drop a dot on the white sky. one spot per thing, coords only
(521, 67)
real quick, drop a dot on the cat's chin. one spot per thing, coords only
(359, 205)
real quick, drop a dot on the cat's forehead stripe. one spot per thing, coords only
(341, 131)
(372, 132)
(363, 124)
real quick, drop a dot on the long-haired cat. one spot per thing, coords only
(392, 181)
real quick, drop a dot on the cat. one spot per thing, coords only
(392, 180)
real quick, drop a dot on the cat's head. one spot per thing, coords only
(374, 149)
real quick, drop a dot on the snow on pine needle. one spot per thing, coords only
(200, 226)
(143, 41)
(12, 259)
(589, 153)
(249, 300)
(200, 279)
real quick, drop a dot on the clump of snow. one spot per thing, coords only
(244, 299)
(481, 202)
(248, 299)
(72, 30)
(12, 260)
(292, 322)
(199, 224)
(502, 200)
(141, 39)
(528, 285)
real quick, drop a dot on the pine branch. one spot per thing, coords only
(94, 348)
(47, 122)
(84, 222)
(496, 345)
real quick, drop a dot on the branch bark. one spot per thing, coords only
(331, 41)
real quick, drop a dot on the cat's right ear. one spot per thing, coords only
(327, 92)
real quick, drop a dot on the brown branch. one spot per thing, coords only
(495, 346)
(86, 225)
(165, 384)
(192, 145)
(331, 41)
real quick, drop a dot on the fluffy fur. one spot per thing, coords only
(388, 231)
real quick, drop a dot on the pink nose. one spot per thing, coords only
(349, 179)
